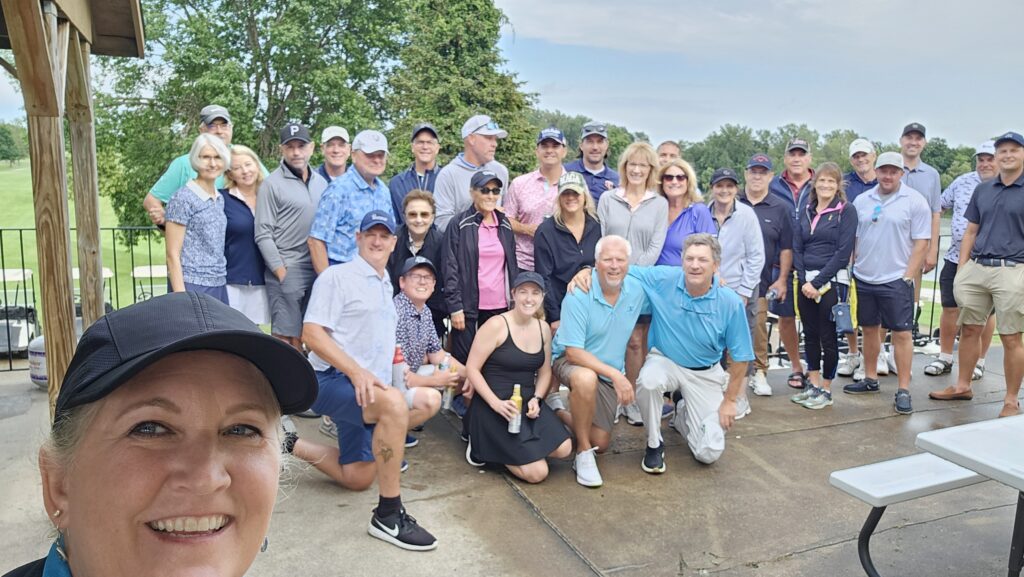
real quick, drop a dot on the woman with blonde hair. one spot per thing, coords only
(245, 285)
(687, 213)
(638, 213)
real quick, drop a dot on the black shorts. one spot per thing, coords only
(890, 305)
(946, 277)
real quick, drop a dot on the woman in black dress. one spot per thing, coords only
(515, 348)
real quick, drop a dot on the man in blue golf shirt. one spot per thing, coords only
(590, 351)
(695, 320)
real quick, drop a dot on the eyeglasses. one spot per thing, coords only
(218, 125)
(421, 215)
(429, 142)
(420, 277)
(637, 165)
(491, 190)
(876, 213)
(671, 177)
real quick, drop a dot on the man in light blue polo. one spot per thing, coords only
(590, 352)
(695, 320)
(922, 177)
(332, 239)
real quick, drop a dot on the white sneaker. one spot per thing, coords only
(882, 364)
(469, 457)
(633, 416)
(859, 373)
(585, 466)
(849, 365)
(890, 361)
(759, 383)
(742, 407)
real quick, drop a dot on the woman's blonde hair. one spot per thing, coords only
(647, 154)
(691, 179)
(242, 150)
(588, 207)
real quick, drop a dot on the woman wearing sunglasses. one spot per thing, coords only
(687, 213)
(822, 245)
(419, 237)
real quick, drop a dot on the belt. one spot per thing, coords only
(996, 262)
(699, 368)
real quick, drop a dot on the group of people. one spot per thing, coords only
(594, 292)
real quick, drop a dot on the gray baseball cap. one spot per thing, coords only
(370, 141)
(890, 159)
(594, 127)
(212, 112)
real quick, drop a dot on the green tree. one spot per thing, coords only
(619, 137)
(318, 62)
(451, 69)
(9, 149)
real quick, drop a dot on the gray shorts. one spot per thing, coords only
(606, 400)
(288, 299)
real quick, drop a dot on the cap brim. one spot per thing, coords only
(417, 265)
(301, 139)
(498, 133)
(372, 150)
(573, 188)
(290, 375)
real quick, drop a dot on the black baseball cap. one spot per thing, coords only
(798, 144)
(724, 174)
(295, 131)
(1011, 137)
(424, 126)
(528, 276)
(914, 127)
(415, 261)
(482, 177)
(124, 342)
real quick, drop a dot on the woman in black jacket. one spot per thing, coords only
(479, 263)
(822, 247)
(418, 236)
(565, 242)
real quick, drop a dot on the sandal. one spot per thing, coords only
(799, 378)
(938, 367)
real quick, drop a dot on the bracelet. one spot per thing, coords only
(539, 399)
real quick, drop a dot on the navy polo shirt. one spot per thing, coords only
(244, 262)
(322, 169)
(595, 182)
(404, 182)
(776, 231)
(998, 210)
(855, 186)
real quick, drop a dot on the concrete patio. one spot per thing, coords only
(764, 509)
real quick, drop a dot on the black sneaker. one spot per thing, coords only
(291, 435)
(862, 387)
(411, 441)
(902, 402)
(654, 460)
(401, 530)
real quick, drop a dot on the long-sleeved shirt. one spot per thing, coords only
(451, 189)
(643, 226)
(285, 207)
(824, 241)
(742, 249)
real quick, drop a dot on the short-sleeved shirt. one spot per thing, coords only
(530, 199)
(855, 186)
(353, 303)
(589, 322)
(416, 333)
(598, 181)
(342, 207)
(177, 175)
(490, 269)
(694, 332)
(776, 231)
(956, 196)
(925, 180)
(202, 252)
(694, 219)
(884, 244)
(998, 210)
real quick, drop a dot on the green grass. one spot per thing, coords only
(19, 249)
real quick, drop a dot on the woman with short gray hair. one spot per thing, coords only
(196, 224)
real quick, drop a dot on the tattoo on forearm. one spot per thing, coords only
(386, 453)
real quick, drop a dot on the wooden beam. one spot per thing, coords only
(24, 20)
(60, 61)
(79, 13)
(87, 199)
(53, 245)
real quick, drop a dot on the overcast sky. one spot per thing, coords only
(678, 69)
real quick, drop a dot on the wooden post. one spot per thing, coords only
(83, 159)
(37, 75)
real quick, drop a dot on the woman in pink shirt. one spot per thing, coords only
(531, 197)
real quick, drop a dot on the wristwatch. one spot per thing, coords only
(539, 399)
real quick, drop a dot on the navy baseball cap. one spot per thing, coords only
(798, 144)
(528, 276)
(761, 160)
(913, 127)
(377, 217)
(295, 131)
(1010, 137)
(424, 126)
(724, 174)
(483, 177)
(551, 133)
(415, 261)
(122, 343)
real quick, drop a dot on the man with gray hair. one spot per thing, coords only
(480, 137)
(590, 351)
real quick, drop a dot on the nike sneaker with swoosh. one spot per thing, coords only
(401, 530)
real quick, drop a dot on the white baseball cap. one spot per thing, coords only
(370, 141)
(482, 124)
(861, 145)
(334, 132)
(987, 147)
(890, 159)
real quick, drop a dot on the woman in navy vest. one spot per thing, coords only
(246, 291)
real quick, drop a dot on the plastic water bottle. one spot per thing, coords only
(398, 368)
(773, 295)
(517, 420)
(449, 392)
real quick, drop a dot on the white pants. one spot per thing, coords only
(702, 393)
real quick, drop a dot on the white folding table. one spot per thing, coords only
(994, 449)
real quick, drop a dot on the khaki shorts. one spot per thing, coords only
(606, 402)
(979, 288)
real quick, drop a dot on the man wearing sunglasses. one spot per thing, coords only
(592, 161)
(480, 137)
(893, 233)
(422, 174)
(213, 119)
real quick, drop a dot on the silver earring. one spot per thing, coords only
(266, 544)
(60, 547)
